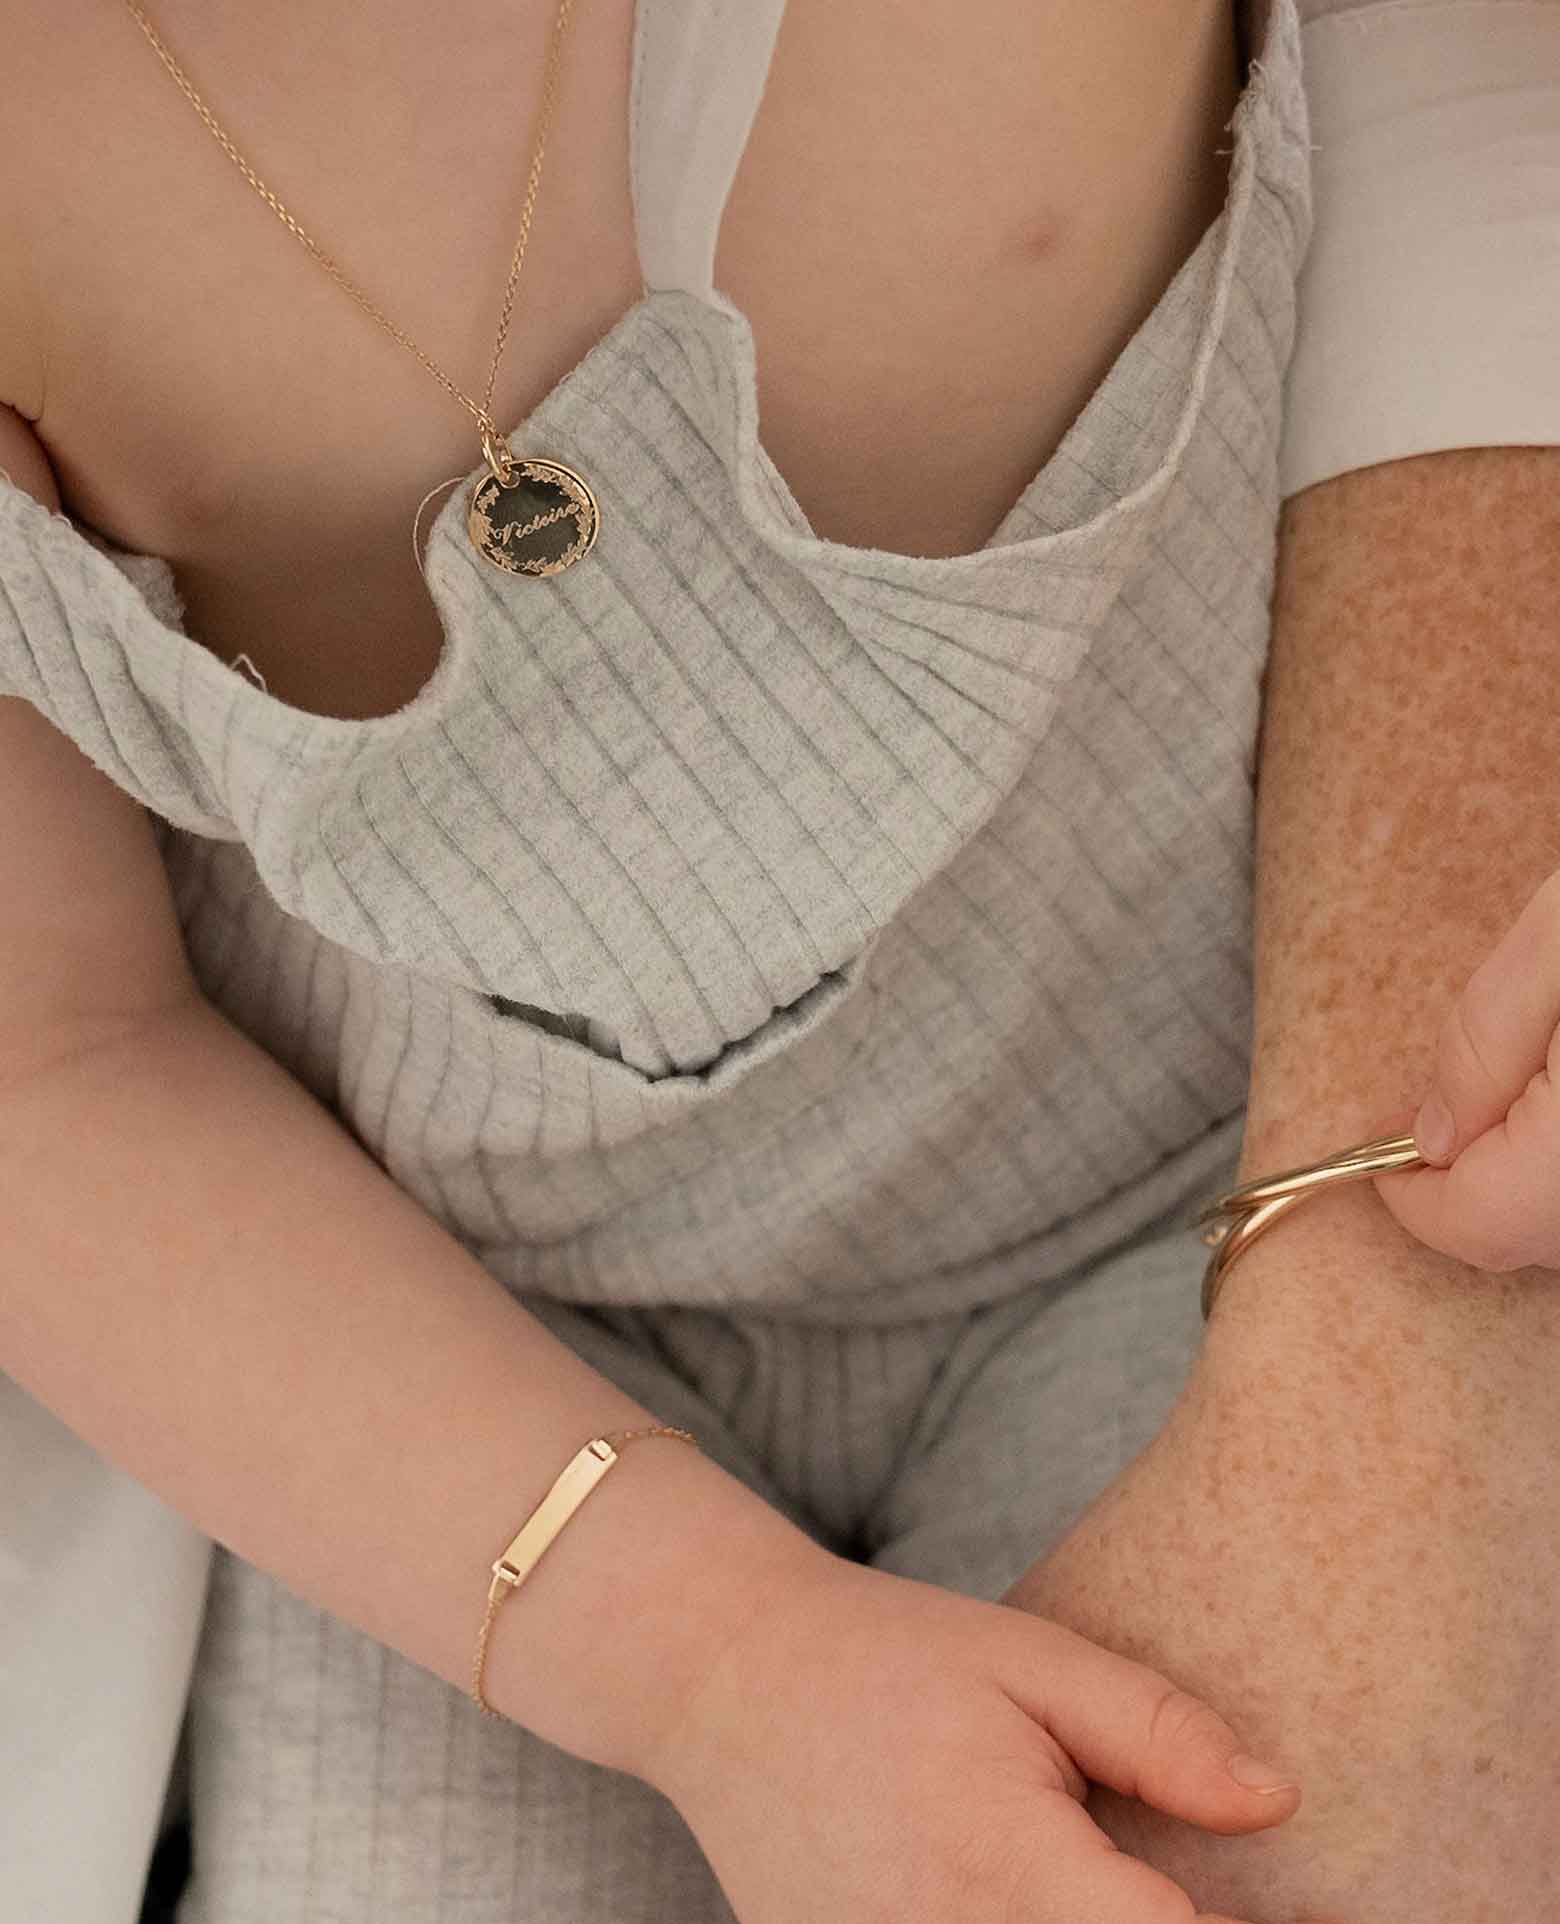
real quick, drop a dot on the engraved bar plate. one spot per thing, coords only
(581, 1474)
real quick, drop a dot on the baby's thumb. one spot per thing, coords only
(1131, 1729)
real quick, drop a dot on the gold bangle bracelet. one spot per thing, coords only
(1235, 1221)
(574, 1483)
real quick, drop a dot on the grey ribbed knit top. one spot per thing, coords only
(740, 917)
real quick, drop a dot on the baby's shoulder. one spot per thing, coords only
(25, 149)
(23, 459)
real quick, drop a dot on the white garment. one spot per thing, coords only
(1430, 302)
(102, 1589)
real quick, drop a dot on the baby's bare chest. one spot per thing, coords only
(942, 232)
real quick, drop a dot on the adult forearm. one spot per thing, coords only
(207, 1278)
(1408, 785)
(1409, 803)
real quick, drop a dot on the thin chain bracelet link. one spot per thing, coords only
(575, 1481)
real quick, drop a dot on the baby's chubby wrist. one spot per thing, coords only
(694, 1740)
(662, 1567)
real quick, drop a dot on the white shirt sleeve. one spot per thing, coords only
(1429, 309)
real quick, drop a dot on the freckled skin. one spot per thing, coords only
(1409, 784)
(1348, 1534)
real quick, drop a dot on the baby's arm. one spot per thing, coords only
(1491, 1119)
(207, 1279)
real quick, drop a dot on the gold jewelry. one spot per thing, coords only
(574, 1483)
(1236, 1220)
(528, 517)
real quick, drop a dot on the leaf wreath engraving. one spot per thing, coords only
(493, 541)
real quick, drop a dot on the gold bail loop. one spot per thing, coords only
(503, 464)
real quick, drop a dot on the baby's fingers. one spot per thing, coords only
(1128, 1727)
(1086, 1877)
(1496, 1037)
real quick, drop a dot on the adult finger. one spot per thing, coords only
(1496, 1036)
(1498, 1206)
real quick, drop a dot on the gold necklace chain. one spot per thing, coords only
(554, 493)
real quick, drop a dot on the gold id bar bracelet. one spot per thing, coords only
(1235, 1221)
(574, 1483)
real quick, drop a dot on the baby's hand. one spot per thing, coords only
(875, 1749)
(1491, 1121)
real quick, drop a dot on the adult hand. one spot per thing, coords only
(1490, 1122)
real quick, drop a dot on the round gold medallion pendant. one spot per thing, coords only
(542, 522)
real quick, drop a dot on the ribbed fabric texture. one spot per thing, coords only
(903, 901)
